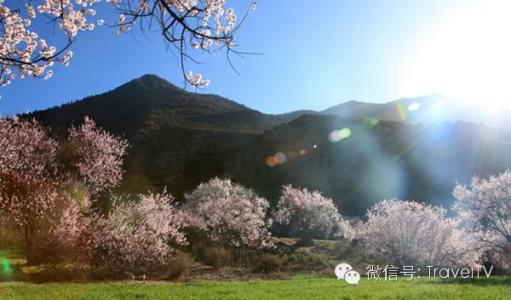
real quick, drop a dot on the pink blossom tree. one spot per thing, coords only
(309, 213)
(206, 25)
(410, 233)
(69, 236)
(484, 208)
(138, 237)
(27, 166)
(348, 229)
(230, 214)
(97, 157)
(37, 176)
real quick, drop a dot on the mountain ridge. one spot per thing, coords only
(397, 110)
(180, 139)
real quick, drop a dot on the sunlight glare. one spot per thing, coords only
(468, 57)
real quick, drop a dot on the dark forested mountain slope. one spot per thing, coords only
(173, 133)
(387, 160)
(145, 101)
(179, 139)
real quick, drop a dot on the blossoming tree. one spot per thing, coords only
(309, 213)
(38, 172)
(230, 214)
(27, 165)
(69, 237)
(139, 237)
(410, 233)
(97, 157)
(207, 25)
(484, 208)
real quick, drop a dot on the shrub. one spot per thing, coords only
(38, 171)
(179, 266)
(349, 229)
(137, 237)
(410, 233)
(267, 263)
(484, 208)
(229, 214)
(67, 240)
(217, 257)
(308, 261)
(310, 214)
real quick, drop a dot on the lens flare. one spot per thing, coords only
(345, 133)
(6, 268)
(280, 158)
(372, 122)
(334, 136)
(402, 110)
(465, 55)
(338, 135)
(277, 159)
(414, 106)
(271, 161)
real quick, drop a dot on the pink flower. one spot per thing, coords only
(229, 213)
(313, 214)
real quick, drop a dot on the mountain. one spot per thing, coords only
(150, 99)
(377, 161)
(430, 109)
(349, 109)
(290, 116)
(179, 139)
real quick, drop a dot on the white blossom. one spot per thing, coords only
(484, 208)
(410, 233)
(312, 214)
(137, 237)
(229, 213)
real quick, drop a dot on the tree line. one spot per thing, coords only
(50, 187)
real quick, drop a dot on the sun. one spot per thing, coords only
(467, 56)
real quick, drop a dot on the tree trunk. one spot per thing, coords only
(28, 245)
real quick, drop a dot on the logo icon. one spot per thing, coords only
(352, 277)
(345, 271)
(342, 269)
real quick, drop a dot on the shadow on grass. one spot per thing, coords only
(45, 274)
(482, 281)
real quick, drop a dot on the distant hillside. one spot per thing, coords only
(425, 109)
(148, 99)
(386, 160)
(179, 139)
(349, 109)
(428, 109)
(294, 115)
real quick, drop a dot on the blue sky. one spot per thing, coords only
(315, 54)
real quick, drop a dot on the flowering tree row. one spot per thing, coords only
(48, 187)
(413, 233)
(410, 233)
(41, 176)
(138, 237)
(185, 25)
(307, 213)
(230, 214)
(484, 209)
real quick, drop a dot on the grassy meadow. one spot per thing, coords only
(301, 287)
(51, 283)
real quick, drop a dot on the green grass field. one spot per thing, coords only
(296, 288)
(299, 287)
